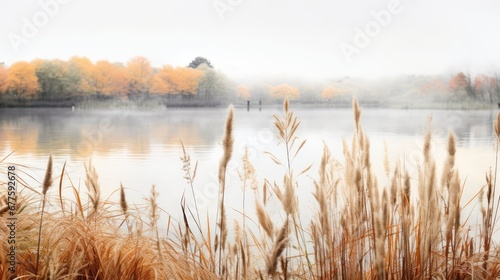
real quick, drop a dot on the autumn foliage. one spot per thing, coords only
(180, 80)
(243, 92)
(3, 78)
(486, 86)
(137, 80)
(331, 92)
(22, 81)
(433, 87)
(458, 82)
(107, 79)
(284, 90)
(140, 74)
(79, 77)
(462, 83)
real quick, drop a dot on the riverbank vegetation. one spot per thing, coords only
(363, 226)
(82, 82)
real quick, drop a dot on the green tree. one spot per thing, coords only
(199, 61)
(213, 87)
(52, 80)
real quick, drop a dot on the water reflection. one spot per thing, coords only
(471, 127)
(80, 134)
(140, 148)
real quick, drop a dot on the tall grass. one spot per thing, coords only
(47, 182)
(399, 227)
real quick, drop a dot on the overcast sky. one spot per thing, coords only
(257, 38)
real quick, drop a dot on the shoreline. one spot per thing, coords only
(158, 104)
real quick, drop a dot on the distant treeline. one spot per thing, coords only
(81, 81)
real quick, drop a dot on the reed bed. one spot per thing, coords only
(397, 227)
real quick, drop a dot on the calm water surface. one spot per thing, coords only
(139, 148)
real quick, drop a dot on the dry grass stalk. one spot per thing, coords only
(322, 228)
(387, 164)
(395, 186)
(249, 178)
(450, 161)
(223, 227)
(227, 145)
(4, 209)
(287, 126)
(124, 207)
(278, 248)
(496, 126)
(406, 226)
(47, 180)
(357, 112)
(361, 192)
(371, 232)
(76, 250)
(186, 167)
(451, 185)
(92, 184)
(289, 200)
(264, 220)
(123, 200)
(154, 216)
(488, 222)
(429, 214)
(47, 183)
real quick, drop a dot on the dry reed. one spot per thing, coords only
(47, 183)
(361, 228)
(227, 147)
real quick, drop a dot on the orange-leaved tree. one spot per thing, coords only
(140, 74)
(81, 68)
(22, 81)
(161, 84)
(284, 90)
(433, 87)
(243, 92)
(180, 80)
(484, 86)
(108, 79)
(3, 79)
(331, 92)
(461, 83)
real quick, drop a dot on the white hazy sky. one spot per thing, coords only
(292, 38)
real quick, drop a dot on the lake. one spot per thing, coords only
(141, 148)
